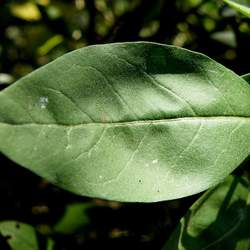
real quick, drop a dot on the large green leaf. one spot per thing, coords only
(243, 6)
(19, 236)
(218, 220)
(128, 122)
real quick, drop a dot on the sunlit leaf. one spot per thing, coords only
(50, 44)
(19, 236)
(218, 220)
(243, 6)
(128, 122)
(27, 11)
(43, 2)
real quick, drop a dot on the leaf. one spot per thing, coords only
(218, 220)
(50, 244)
(49, 45)
(74, 219)
(129, 122)
(246, 77)
(19, 235)
(226, 37)
(26, 11)
(242, 6)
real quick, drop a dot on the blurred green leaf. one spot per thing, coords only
(50, 244)
(210, 8)
(27, 11)
(19, 236)
(53, 12)
(226, 37)
(218, 220)
(50, 44)
(243, 6)
(74, 218)
(150, 29)
(43, 2)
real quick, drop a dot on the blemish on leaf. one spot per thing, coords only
(155, 161)
(43, 102)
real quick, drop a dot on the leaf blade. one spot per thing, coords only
(19, 235)
(130, 125)
(217, 220)
(242, 6)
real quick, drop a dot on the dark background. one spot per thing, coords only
(33, 33)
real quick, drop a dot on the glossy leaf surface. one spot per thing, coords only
(129, 122)
(218, 220)
(19, 236)
(243, 6)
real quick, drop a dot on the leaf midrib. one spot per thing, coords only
(135, 122)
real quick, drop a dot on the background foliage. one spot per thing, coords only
(33, 33)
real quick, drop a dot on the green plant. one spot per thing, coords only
(130, 122)
(137, 122)
(243, 6)
(21, 236)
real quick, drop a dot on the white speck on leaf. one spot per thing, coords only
(155, 161)
(212, 71)
(43, 102)
(100, 177)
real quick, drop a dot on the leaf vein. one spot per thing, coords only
(111, 86)
(141, 141)
(71, 100)
(135, 122)
(157, 83)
